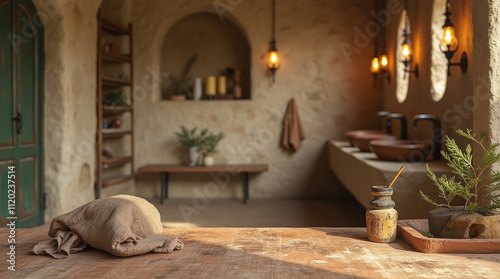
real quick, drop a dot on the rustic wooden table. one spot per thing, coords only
(242, 169)
(253, 253)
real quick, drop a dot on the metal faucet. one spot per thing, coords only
(383, 114)
(436, 132)
(402, 118)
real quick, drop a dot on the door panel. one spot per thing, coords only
(21, 49)
(28, 194)
(26, 77)
(6, 86)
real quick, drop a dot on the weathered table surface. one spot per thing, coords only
(254, 253)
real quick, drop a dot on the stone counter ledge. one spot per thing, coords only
(358, 171)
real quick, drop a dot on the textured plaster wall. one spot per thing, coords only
(333, 94)
(486, 15)
(70, 86)
(455, 109)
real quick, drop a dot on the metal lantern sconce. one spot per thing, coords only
(273, 60)
(406, 55)
(449, 42)
(379, 64)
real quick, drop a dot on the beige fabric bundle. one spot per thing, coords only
(120, 225)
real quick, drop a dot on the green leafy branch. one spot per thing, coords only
(181, 83)
(473, 180)
(190, 138)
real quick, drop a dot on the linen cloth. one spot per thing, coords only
(121, 225)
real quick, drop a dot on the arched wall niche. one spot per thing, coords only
(219, 44)
(402, 78)
(439, 76)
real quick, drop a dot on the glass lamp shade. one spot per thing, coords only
(375, 66)
(449, 41)
(405, 52)
(273, 62)
(383, 62)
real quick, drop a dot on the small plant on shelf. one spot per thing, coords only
(115, 99)
(181, 84)
(474, 183)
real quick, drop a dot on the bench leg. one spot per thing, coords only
(164, 187)
(245, 186)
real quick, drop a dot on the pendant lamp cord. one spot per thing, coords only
(273, 22)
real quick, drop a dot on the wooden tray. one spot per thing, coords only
(411, 232)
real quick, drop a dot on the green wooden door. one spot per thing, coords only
(21, 101)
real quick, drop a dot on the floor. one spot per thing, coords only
(261, 213)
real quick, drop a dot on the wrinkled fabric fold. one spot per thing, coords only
(63, 244)
(121, 225)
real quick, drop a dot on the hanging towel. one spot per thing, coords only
(121, 225)
(293, 133)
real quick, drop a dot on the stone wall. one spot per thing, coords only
(333, 89)
(70, 115)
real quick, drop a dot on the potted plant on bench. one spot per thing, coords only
(193, 141)
(210, 147)
(474, 183)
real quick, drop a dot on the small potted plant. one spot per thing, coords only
(475, 182)
(210, 147)
(181, 84)
(193, 142)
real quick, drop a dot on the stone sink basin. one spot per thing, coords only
(401, 150)
(362, 141)
(351, 134)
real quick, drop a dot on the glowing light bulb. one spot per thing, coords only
(383, 62)
(406, 52)
(375, 67)
(449, 41)
(274, 58)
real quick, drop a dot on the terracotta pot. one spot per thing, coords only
(178, 97)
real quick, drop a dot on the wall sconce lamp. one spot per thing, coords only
(449, 42)
(273, 61)
(406, 55)
(379, 66)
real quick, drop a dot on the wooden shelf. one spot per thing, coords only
(115, 82)
(116, 162)
(111, 133)
(116, 180)
(110, 81)
(219, 97)
(114, 29)
(116, 57)
(114, 109)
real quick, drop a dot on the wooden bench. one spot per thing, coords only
(242, 169)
